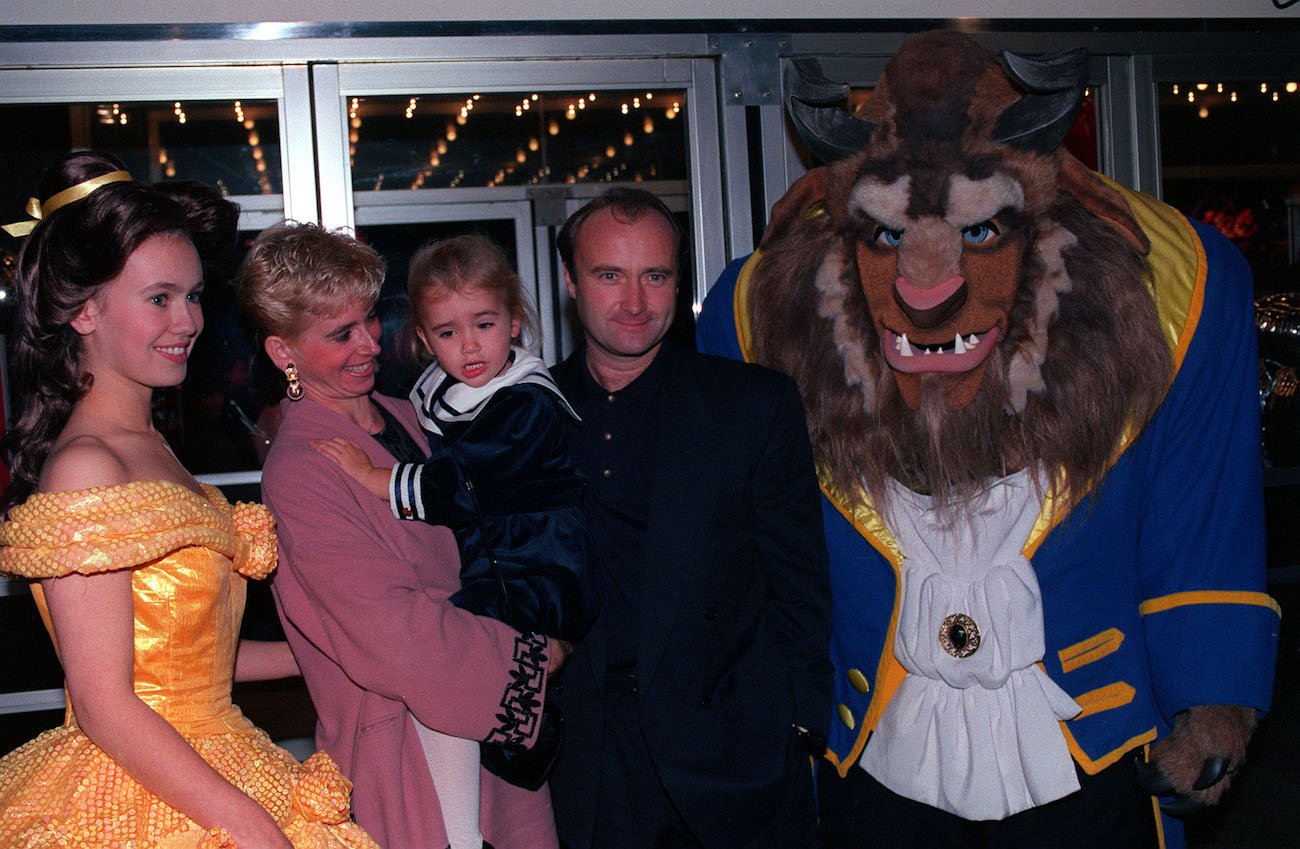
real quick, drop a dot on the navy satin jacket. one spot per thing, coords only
(505, 483)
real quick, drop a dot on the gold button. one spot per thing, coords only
(608, 436)
(407, 513)
(846, 716)
(607, 473)
(859, 681)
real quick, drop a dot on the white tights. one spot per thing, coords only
(454, 766)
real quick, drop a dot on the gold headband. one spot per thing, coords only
(38, 210)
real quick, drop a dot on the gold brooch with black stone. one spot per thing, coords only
(959, 636)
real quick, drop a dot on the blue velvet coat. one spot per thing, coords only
(505, 483)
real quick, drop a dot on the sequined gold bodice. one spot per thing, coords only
(187, 608)
(189, 553)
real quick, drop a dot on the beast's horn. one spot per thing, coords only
(1039, 120)
(830, 132)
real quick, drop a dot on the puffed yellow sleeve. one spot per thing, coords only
(256, 531)
(102, 529)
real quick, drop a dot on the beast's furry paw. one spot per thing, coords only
(1196, 761)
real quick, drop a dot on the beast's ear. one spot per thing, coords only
(802, 200)
(1101, 200)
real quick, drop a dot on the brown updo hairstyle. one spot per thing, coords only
(65, 261)
(458, 265)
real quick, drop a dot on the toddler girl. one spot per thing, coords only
(499, 475)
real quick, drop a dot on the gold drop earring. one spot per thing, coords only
(295, 385)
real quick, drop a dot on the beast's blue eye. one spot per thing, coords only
(886, 236)
(978, 233)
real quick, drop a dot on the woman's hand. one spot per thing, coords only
(557, 652)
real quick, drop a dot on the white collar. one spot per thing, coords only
(440, 398)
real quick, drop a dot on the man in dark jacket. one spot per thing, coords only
(693, 705)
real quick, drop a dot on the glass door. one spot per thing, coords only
(413, 152)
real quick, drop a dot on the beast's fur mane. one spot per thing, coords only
(1083, 360)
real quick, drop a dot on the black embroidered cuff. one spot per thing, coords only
(521, 705)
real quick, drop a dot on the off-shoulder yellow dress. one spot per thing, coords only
(191, 556)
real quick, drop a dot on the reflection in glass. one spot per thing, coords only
(233, 145)
(527, 138)
(1228, 154)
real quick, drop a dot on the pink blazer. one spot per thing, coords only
(363, 598)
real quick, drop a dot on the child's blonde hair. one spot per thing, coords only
(468, 262)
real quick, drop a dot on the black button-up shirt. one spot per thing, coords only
(614, 450)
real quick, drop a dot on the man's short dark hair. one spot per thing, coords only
(626, 205)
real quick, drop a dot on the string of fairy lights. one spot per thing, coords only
(1207, 96)
(254, 147)
(530, 155)
(609, 160)
(115, 114)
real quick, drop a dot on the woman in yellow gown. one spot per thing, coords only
(141, 570)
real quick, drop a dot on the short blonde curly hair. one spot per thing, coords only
(297, 268)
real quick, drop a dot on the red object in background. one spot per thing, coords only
(1236, 224)
(1082, 138)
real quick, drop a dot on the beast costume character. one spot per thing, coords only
(1032, 395)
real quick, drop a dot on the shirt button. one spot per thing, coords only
(608, 436)
(407, 513)
(607, 473)
(610, 397)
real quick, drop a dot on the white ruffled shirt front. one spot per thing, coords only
(977, 736)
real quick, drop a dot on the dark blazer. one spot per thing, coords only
(734, 620)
